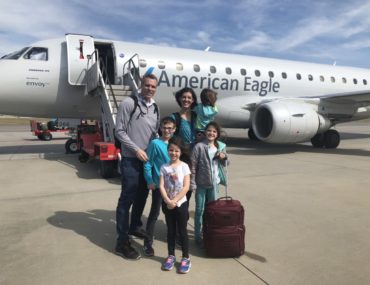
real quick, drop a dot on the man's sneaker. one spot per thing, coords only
(169, 263)
(148, 250)
(127, 251)
(138, 232)
(184, 265)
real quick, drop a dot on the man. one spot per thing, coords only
(136, 125)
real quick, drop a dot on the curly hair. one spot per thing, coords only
(179, 94)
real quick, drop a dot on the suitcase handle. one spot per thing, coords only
(225, 198)
(215, 183)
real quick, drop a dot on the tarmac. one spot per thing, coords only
(307, 216)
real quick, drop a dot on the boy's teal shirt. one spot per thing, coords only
(157, 156)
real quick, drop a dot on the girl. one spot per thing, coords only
(174, 184)
(206, 111)
(207, 160)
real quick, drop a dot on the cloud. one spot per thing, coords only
(311, 30)
(259, 40)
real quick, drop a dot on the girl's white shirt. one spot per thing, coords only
(173, 177)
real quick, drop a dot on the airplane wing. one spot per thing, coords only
(338, 107)
(355, 99)
(358, 98)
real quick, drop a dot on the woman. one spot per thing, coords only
(185, 119)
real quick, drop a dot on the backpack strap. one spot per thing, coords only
(156, 110)
(136, 104)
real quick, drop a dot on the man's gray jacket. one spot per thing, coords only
(137, 132)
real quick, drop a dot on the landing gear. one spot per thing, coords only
(252, 136)
(329, 139)
(318, 141)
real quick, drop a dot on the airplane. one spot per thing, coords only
(278, 101)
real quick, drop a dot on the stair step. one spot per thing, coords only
(119, 87)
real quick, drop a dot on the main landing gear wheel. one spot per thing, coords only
(318, 141)
(72, 146)
(252, 136)
(329, 139)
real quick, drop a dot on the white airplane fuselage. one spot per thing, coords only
(41, 87)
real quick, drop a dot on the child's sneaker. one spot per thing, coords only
(184, 265)
(148, 250)
(169, 263)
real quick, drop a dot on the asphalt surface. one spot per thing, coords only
(307, 216)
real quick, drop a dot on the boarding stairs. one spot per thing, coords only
(110, 95)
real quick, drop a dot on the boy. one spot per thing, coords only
(157, 156)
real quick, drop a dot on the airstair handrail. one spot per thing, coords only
(130, 68)
(103, 70)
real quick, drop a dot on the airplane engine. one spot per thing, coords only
(287, 122)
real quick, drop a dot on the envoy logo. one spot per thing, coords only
(36, 84)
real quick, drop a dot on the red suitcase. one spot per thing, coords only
(223, 228)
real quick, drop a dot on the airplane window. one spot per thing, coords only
(299, 76)
(310, 77)
(257, 73)
(332, 79)
(322, 79)
(364, 81)
(212, 69)
(37, 53)
(243, 71)
(142, 62)
(179, 66)
(228, 70)
(354, 81)
(161, 64)
(196, 67)
(284, 75)
(344, 80)
(271, 74)
(16, 54)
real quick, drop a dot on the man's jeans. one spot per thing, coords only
(134, 192)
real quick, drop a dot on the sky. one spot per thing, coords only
(320, 31)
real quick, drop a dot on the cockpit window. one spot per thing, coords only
(15, 55)
(37, 53)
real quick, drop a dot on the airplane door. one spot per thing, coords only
(79, 47)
